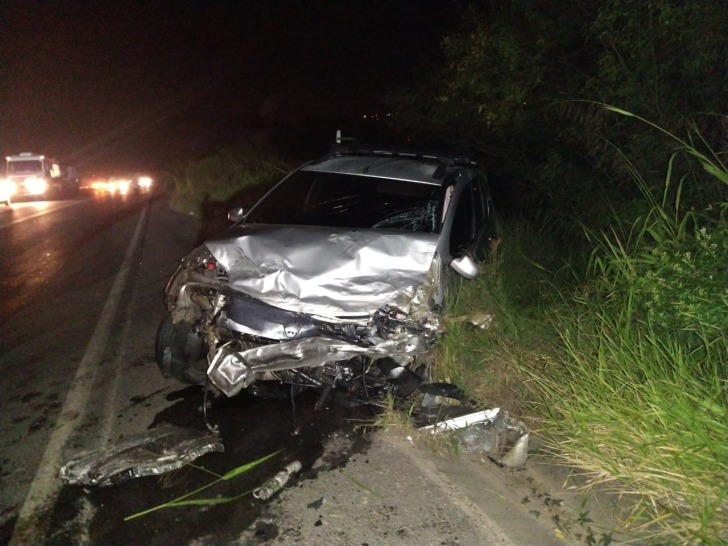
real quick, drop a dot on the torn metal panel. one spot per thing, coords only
(153, 452)
(232, 371)
(323, 271)
(418, 301)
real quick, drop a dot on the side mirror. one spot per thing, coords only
(236, 214)
(466, 266)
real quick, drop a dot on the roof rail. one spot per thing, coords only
(358, 149)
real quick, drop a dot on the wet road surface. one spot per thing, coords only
(251, 429)
(80, 299)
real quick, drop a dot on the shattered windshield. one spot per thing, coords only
(29, 166)
(312, 198)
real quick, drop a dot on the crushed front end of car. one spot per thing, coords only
(334, 279)
(304, 306)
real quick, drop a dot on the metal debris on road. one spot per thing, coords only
(156, 451)
(266, 491)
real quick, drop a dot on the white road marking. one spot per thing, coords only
(46, 485)
(44, 212)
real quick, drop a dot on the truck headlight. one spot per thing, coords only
(8, 187)
(35, 185)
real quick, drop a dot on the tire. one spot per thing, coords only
(180, 352)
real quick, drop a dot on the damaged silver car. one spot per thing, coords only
(336, 278)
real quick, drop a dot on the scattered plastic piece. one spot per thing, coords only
(317, 503)
(481, 319)
(516, 457)
(493, 432)
(464, 420)
(156, 451)
(266, 491)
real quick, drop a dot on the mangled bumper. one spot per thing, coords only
(231, 371)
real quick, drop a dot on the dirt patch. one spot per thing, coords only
(500, 388)
(30, 397)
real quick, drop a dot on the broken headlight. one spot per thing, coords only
(199, 257)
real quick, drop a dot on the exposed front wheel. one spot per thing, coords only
(180, 351)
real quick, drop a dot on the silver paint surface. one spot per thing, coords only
(322, 271)
(393, 168)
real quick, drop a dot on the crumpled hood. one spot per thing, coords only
(323, 271)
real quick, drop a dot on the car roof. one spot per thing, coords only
(423, 167)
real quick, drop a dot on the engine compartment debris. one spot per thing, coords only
(156, 451)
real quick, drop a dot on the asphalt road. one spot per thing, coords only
(80, 284)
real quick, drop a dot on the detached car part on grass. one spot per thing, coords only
(336, 278)
(493, 432)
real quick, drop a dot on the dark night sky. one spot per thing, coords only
(122, 84)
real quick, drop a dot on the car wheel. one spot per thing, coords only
(180, 351)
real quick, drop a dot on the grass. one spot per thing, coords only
(393, 417)
(485, 362)
(635, 395)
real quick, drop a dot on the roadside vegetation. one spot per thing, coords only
(622, 368)
(234, 176)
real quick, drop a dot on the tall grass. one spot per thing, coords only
(219, 177)
(484, 362)
(635, 395)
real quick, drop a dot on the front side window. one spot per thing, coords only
(313, 198)
(462, 232)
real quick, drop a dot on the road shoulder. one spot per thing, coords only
(399, 492)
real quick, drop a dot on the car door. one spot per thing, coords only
(461, 234)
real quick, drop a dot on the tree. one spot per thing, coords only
(519, 79)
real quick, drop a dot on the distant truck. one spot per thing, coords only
(28, 175)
